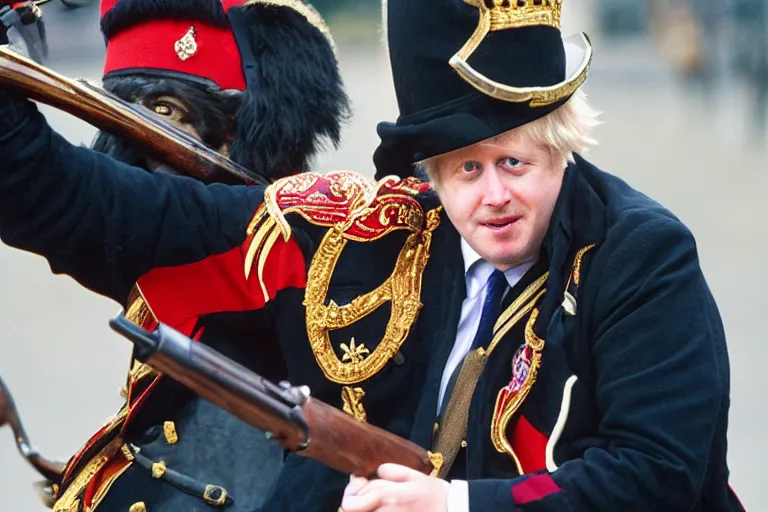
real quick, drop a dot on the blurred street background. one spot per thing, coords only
(683, 85)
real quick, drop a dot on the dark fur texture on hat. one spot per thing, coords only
(294, 100)
(127, 13)
(295, 97)
(210, 111)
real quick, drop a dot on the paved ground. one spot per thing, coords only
(65, 366)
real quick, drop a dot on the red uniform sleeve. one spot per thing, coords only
(179, 295)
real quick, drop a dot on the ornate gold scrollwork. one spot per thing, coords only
(402, 289)
(353, 209)
(353, 405)
(510, 398)
(354, 351)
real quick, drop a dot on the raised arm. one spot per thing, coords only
(104, 223)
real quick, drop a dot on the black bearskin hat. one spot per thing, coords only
(275, 56)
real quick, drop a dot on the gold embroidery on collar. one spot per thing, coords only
(570, 306)
(127, 453)
(577, 263)
(518, 309)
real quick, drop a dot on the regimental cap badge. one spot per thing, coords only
(186, 47)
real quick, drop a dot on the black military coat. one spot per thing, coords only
(629, 406)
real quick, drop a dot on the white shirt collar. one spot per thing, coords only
(477, 271)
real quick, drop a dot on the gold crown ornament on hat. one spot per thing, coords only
(496, 15)
(521, 13)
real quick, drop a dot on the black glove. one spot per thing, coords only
(3, 34)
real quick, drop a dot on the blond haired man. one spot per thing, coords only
(598, 380)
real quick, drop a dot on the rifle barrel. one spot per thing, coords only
(297, 421)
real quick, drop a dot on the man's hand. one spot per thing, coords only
(398, 489)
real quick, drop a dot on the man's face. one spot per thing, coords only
(500, 195)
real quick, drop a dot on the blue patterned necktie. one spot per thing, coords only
(497, 284)
(495, 288)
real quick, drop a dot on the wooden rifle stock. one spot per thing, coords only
(290, 416)
(111, 114)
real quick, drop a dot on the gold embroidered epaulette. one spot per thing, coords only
(362, 209)
(354, 209)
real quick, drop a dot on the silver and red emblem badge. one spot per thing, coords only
(521, 368)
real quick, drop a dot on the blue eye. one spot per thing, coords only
(510, 163)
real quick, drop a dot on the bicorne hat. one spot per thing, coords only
(467, 70)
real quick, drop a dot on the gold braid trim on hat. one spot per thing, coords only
(506, 15)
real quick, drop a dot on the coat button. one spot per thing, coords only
(138, 507)
(158, 469)
(169, 429)
(463, 443)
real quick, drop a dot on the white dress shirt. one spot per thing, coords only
(476, 274)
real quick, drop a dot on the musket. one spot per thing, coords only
(111, 114)
(288, 414)
(49, 469)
